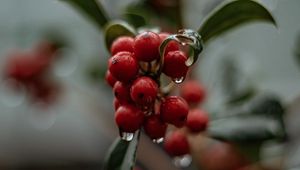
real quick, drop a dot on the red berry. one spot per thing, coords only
(146, 46)
(174, 64)
(123, 43)
(23, 66)
(43, 90)
(172, 45)
(123, 66)
(197, 120)
(129, 118)
(193, 92)
(144, 90)
(116, 103)
(110, 79)
(122, 92)
(154, 127)
(176, 144)
(174, 110)
(222, 156)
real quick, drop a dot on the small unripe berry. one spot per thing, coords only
(172, 45)
(110, 80)
(146, 46)
(154, 127)
(197, 120)
(122, 92)
(174, 110)
(193, 92)
(129, 118)
(123, 66)
(144, 90)
(174, 64)
(176, 144)
(123, 43)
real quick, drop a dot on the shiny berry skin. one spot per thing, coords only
(122, 92)
(176, 144)
(174, 64)
(197, 120)
(123, 66)
(193, 92)
(144, 90)
(110, 80)
(123, 43)
(129, 118)
(154, 127)
(174, 110)
(146, 46)
(172, 45)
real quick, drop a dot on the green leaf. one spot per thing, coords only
(235, 85)
(232, 14)
(251, 151)
(258, 120)
(122, 154)
(135, 19)
(245, 129)
(116, 29)
(91, 9)
(297, 50)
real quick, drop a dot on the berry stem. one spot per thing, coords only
(149, 67)
(168, 88)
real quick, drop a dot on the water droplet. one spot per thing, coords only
(189, 61)
(183, 161)
(159, 140)
(179, 80)
(12, 93)
(126, 136)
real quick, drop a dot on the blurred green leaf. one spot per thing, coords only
(297, 50)
(122, 154)
(232, 14)
(251, 151)
(235, 85)
(135, 19)
(95, 72)
(92, 9)
(166, 14)
(116, 29)
(245, 129)
(258, 120)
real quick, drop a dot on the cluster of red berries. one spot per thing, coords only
(139, 99)
(30, 70)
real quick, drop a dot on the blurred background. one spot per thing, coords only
(63, 119)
